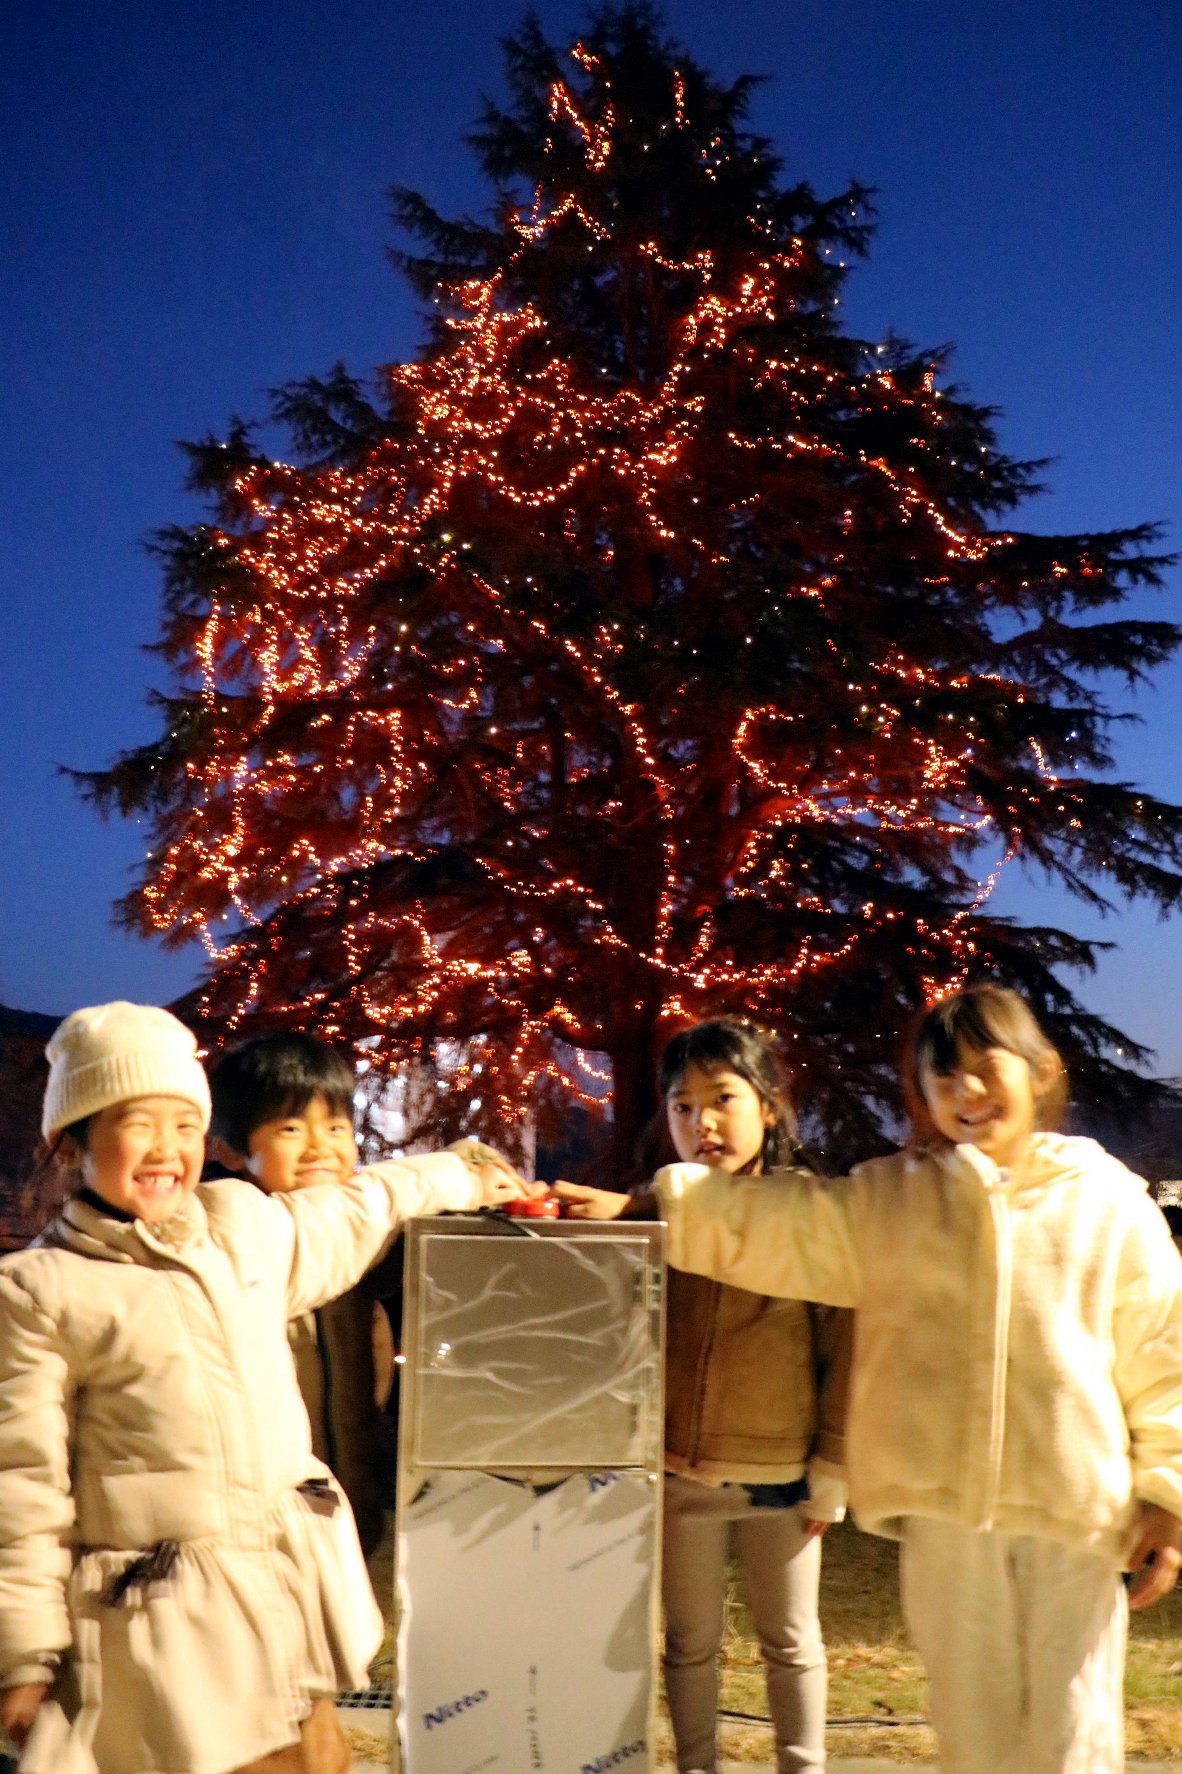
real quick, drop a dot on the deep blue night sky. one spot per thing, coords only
(192, 210)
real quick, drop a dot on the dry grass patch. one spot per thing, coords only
(1153, 1682)
(369, 1744)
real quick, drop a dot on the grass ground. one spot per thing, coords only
(877, 1693)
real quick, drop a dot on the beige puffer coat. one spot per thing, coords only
(1018, 1358)
(148, 1401)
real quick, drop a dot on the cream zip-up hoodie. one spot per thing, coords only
(1018, 1349)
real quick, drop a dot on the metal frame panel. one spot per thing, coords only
(529, 1497)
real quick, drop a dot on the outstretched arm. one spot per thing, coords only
(789, 1234)
(580, 1202)
(496, 1179)
(339, 1230)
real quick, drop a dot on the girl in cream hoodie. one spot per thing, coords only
(180, 1578)
(1016, 1407)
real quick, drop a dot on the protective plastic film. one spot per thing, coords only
(535, 1351)
(531, 1615)
(529, 1498)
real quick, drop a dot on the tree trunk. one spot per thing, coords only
(634, 1099)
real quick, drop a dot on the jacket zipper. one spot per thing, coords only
(702, 1378)
(233, 1515)
(1002, 1301)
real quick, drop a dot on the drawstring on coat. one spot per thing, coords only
(320, 1494)
(156, 1565)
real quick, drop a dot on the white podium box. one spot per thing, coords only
(528, 1528)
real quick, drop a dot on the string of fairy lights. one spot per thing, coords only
(329, 719)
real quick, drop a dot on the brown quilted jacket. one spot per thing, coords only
(755, 1388)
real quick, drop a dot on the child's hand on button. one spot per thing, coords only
(495, 1176)
(580, 1202)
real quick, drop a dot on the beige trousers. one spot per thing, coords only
(781, 1572)
(1023, 1639)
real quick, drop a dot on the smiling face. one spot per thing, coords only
(715, 1117)
(311, 1145)
(143, 1156)
(989, 1100)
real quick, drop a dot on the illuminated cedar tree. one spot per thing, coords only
(647, 647)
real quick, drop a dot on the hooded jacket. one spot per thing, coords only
(1018, 1361)
(149, 1407)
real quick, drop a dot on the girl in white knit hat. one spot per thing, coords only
(180, 1579)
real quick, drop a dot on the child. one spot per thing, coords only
(1016, 1411)
(283, 1116)
(750, 1410)
(180, 1579)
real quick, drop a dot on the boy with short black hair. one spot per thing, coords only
(272, 1077)
(283, 1116)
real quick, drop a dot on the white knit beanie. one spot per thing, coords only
(111, 1052)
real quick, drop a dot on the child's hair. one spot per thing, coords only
(728, 1044)
(978, 1017)
(78, 1132)
(272, 1076)
(53, 1158)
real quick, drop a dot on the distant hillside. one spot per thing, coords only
(30, 1024)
